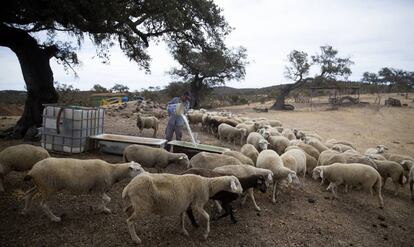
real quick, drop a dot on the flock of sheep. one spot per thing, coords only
(269, 155)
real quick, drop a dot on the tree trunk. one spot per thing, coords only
(195, 92)
(37, 74)
(280, 99)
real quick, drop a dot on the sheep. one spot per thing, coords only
(225, 197)
(195, 117)
(212, 160)
(274, 123)
(19, 158)
(311, 162)
(250, 151)
(341, 147)
(393, 170)
(269, 159)
(329, 157)
(376, 156)
(313, 135)
(241, 171)
(257, 140)
(278, 143)
(288, 133)
(231, 133)
(249, 127)
(169, 195)
(147, 123)
(316, 144)
(331, 142)
(243, 158)
(295, 160)
(407, 165)
(52, 175)
(272, 131)
(378, 150)
(299, 134)
(350, 174)
(411, 182)
(309, 149)
(151, 157)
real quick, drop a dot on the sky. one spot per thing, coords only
(374, 33)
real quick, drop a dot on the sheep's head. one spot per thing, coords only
(381, 149)
(256, 125)
(337, 147)
(293, 178)
(243, 132)
(261, 184)
(407, 164)
(266, 134)
(263, 144)
(135, 169)
(317, 173)
(183, 160)
(235, 185)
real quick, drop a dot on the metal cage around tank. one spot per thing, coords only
(67, 128)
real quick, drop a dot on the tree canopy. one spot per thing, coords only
(209, 66)
(332, 66)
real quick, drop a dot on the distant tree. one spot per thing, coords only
(331, 67)
(175, 89)
(374, 80)
(119, 88)
(67, 93)
(99, 89)
(133, 25)
(296, 70)
(207, 67)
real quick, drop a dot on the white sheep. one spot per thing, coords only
(411, 182)
(274, 123)
(258, 141)
(52, 175)
(350, 174)
(151, 157)
(212, 160)
(288, 133)
(329, 157)
(241, 171)
(278, 143)
(195, 117)
(19, 158)
(169, 195)
(341, 147)
(393, 170)
(331, 142)
(269, 159)
(378, 150)
(249, 127)
(230, 133)
(295, 160)
(250, 151)
(240, 156)
(311, 162)
(147, 123)
(316, 144)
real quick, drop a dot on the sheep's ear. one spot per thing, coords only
(269, 177)
(233, 186)
(321, 173)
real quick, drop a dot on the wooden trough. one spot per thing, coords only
(115, 144)
(190, 149)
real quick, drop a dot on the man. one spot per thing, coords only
(176, 123)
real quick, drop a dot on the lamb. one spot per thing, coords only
(407, 165)
(147, 123)
(250, 151)
(350, 174)
(195, 117)
(278, 143)
(212, 160)
(169, 195)
(249, 127)
(19, 158)
(275, 123)
(288, 133)
(295, 160)
(393, 170)
(241, 171)
(378, 150)
(411, 182)
(151, 157)
(243, 158)
(225, 197)
(257, 140)
(311, 162)
(231, 133)
(52, 175)
(341, 147)
(269, 159)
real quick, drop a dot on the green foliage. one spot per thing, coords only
(175, 89)
(396, 78)
(332, 66)
(298, 66)
(99, 89)
(119, 88)
(130, 24)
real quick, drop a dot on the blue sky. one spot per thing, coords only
(374, 33)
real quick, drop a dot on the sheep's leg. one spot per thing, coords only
(185, 232)
(218, 206)
(131, 229)
(228, 211)
(412, 190)
(250, 192)
(346, 188)
(192, 218)
(48, 212)
(105, 200)
(397, 188)
(244, 197)
(28, 199)
(155, 133)
(333, 190)
(274, 191)
(206, 218)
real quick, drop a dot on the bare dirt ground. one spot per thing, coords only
(353, 220)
